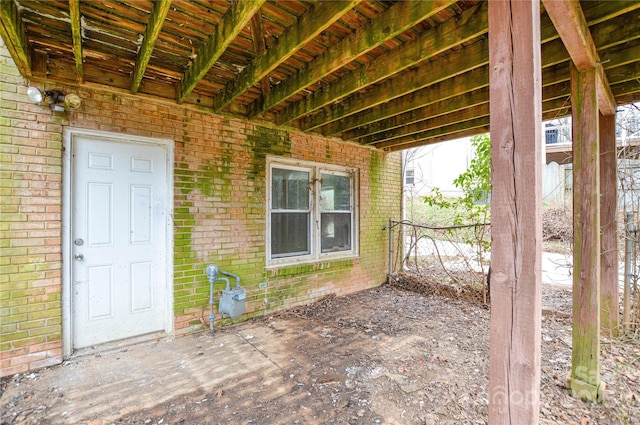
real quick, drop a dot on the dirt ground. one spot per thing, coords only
(384, 356)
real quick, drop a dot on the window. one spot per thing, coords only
(409, 177)
(311, 212)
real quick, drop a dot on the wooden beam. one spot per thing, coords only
(569, 20)
(555, 84)
(606, 100)
(414, 121)
(423, 129)
(12, 32)
(157, 16)
(516, 211)
(445, 125)
(430, 118)
(584, 380)
(453, 124)
(473, 80)
(232, 23)
(383, 27)
(260, 47)
(451, 136)
(432, 72)
(76, 35)
(417, 120)
(335, 118)
(307, 27)
(471, 24)
(609, 292)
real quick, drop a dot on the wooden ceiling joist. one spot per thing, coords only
(76, 34)
(379, 116)
(373, 72)
(472, 80)
(471, 24)
(430, 73)
(259, 47)
(455, 63)
(474, 85)
(307, 27)
(572, 27)
(12, 32)
(233, 22)
(387, 25)
(156, 19)
(412, 120)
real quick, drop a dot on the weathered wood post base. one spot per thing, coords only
(585, 391)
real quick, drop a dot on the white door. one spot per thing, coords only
(118, 240)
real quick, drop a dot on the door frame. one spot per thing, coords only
(68, 140)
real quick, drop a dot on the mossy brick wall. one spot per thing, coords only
(219, 210)
(30, 223)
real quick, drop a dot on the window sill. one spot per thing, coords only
(293, 269)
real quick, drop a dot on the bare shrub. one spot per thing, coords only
(557, 224)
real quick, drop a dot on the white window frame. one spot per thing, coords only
(410, 173)
(316, 170)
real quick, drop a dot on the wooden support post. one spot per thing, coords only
(516, 155)
(609, 292)
(584, 380)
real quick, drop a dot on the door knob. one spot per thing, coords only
(78, 257)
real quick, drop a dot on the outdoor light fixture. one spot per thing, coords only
(54, 98)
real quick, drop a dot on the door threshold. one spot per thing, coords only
(119, 344)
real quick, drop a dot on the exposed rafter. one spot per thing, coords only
(377, 73)
(308, 26)
(457, 85)
(12, 32)
(471, 24)
(573, 29)
(259, 46)
(394, 21)
(156, 19)
(233, 22)
(455, 110)
(456, 63)
(76, 34)
(419, 124)
(413, 81)
(416, 120)
(474, 85)
(354, 118)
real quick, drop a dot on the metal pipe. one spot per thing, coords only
(236, 277)
(212, 273)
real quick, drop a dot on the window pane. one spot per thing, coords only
(289, 234)
(289, 189)
(335, 193)
(336, 232)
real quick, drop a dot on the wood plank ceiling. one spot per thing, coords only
(389, 74)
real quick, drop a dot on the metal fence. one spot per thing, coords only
(451, 259)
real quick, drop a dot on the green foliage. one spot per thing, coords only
(475, 183)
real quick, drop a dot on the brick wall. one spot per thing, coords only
(219, 210)
(30, 223)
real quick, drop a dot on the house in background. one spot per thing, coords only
(438, 165)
